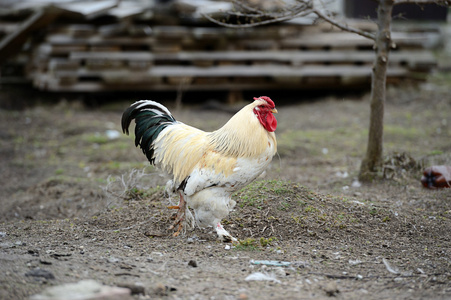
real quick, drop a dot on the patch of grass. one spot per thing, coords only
(256, 193)
(310, 209)
(397, 132)
(251, 244)
(373, 211)
(136, 194)
(59, 171)
(248, 244)
(95, 138)
(313, 140)
(267, 242)
(435, 152)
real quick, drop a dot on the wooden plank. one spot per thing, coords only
(8, 27)
(55, 64)
(407, 57)
(127, 9)
(347, 40)
(242, 71)
(62, 39)
(126, 56)
(200, 58)
(54, 85)
(89, 9)
(79, 30)
(12, 42)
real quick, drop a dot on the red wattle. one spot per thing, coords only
(271, 122)
(268, 120)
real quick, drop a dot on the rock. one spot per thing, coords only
(44, 261)
(192, 263)
(331, 288)
(135, 288)
(280, 272)
(38, 273)
(113, 259)
(84, 290)
(162, 290)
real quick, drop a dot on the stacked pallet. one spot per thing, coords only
(105, 45)
(89, 58)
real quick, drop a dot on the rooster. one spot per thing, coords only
(206, 167)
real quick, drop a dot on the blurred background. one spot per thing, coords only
(104, 46)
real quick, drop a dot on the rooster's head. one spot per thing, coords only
(264, 108)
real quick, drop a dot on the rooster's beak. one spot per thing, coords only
(274, 111)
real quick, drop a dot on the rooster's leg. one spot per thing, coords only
(224, 235)
(180, 217)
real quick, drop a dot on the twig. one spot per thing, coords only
(303, 9)
(259, 23)
(344, 26)
(333, 276)
(389, 268)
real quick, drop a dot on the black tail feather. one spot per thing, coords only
(150, 118)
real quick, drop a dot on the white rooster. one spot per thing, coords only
(207, 167)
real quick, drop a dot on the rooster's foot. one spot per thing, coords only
(224, 236)
(179, 217)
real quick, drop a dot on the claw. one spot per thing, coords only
(177, 233)
(224, 235)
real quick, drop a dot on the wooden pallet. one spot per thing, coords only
(85, 58)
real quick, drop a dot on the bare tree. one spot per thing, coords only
(249, 16)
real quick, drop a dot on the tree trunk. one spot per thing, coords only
(372, 163)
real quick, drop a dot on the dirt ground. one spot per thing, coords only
(79, 201)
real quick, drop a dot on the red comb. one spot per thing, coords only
(267, 99)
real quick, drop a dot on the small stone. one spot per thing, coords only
(135, 288)
(280, 272)
(243, 296)
(331, 288)
(83, 290)
(162, 290)
(112, 259)
(40, 273)
(44, 262)
(192, 263)
(33, 252)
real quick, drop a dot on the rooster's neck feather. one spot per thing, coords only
(242, 136)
